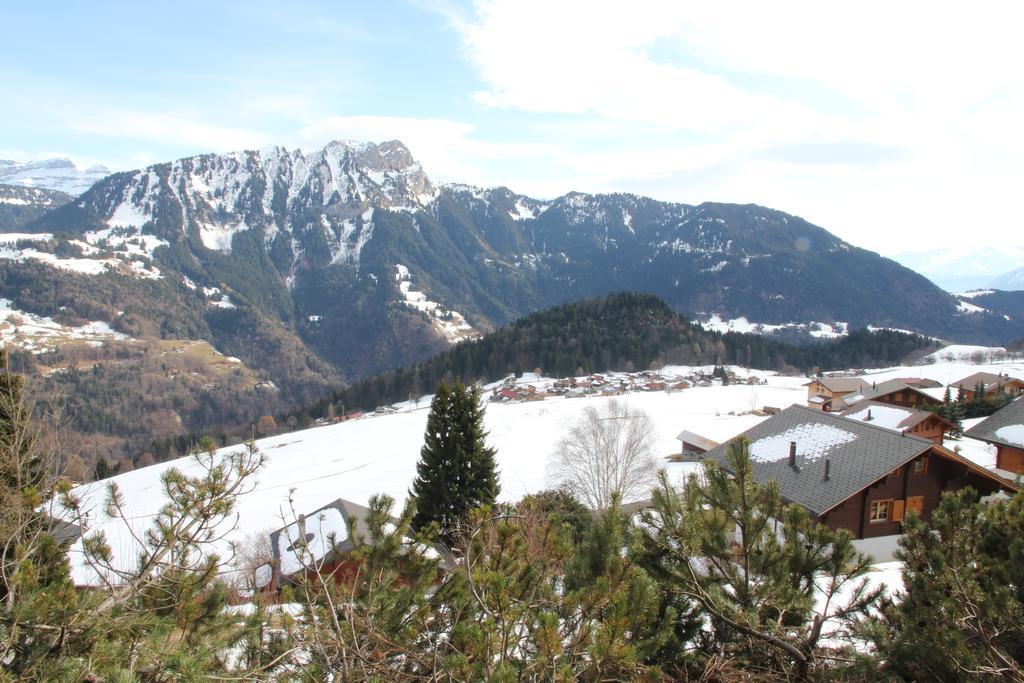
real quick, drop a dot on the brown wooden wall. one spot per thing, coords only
(1009, 458)
(941, 475)
(907, 399)
(931, 429)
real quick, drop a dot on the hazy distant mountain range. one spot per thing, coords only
(53, 174)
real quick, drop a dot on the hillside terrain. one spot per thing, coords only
(20, 205)
(318, 269)
(378, 453)
(623, 332)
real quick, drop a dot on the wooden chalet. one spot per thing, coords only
(855, 475)
(826, 393)
(988, 383)
(919, 423)
(319, 543)
(895, 392)
(1004, 429)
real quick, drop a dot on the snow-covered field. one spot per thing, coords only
(378, 454)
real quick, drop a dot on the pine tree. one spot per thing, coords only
(456, 472)
(961, 616)
(774, 594)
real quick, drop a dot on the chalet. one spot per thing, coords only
(694, 446)
(920, 423)
(317, 542)
(894, 392)
(825, 393)
(989, 384)
(856, 475)
(1005, 430)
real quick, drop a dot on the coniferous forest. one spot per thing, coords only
(621, 332)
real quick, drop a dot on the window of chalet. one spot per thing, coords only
(879, 511)
(921, 465)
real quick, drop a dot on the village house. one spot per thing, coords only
(989, 384)
(826, 393)
(318, 542)
(920, 423)
(894, 392)
(858, 476)
(1005, 430)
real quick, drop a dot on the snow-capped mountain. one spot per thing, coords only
(318, 205)
(314, 239)
(52, 174)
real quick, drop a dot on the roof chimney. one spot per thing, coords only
(792, 454)
(869, 418)
(874, 385)
(828, 466)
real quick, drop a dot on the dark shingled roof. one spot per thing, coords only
(888, 387)
(987, 379)
(911, 417)
(840, 384)
(859, 453)
(1007, 416)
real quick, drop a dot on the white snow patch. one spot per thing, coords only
(309, 539)
(128, 215)
(15, 237)
(965, 307)
(449, 323)
(889, 417)
(813, 441)
(218, 237)
(39, 334)
(1012, 434)
(962, 353)
(522, 212)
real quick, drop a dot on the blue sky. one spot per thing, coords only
(896, 127)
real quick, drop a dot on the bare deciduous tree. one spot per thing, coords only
(606, 453)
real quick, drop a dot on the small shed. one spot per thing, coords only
(694, 446)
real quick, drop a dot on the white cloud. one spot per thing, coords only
(447, 149)
(895, 126)
(167, 128)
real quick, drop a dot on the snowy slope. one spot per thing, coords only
(52, 174)
(359, 458)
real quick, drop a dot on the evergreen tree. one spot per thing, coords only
(456, 472)
(962, 615)
(773, 596)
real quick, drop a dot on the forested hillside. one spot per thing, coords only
(625, 332)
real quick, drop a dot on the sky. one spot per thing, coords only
(897, 126)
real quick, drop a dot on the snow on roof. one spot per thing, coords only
(890, 417)
(813, 441)
(310, 539)
(1013, 434)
